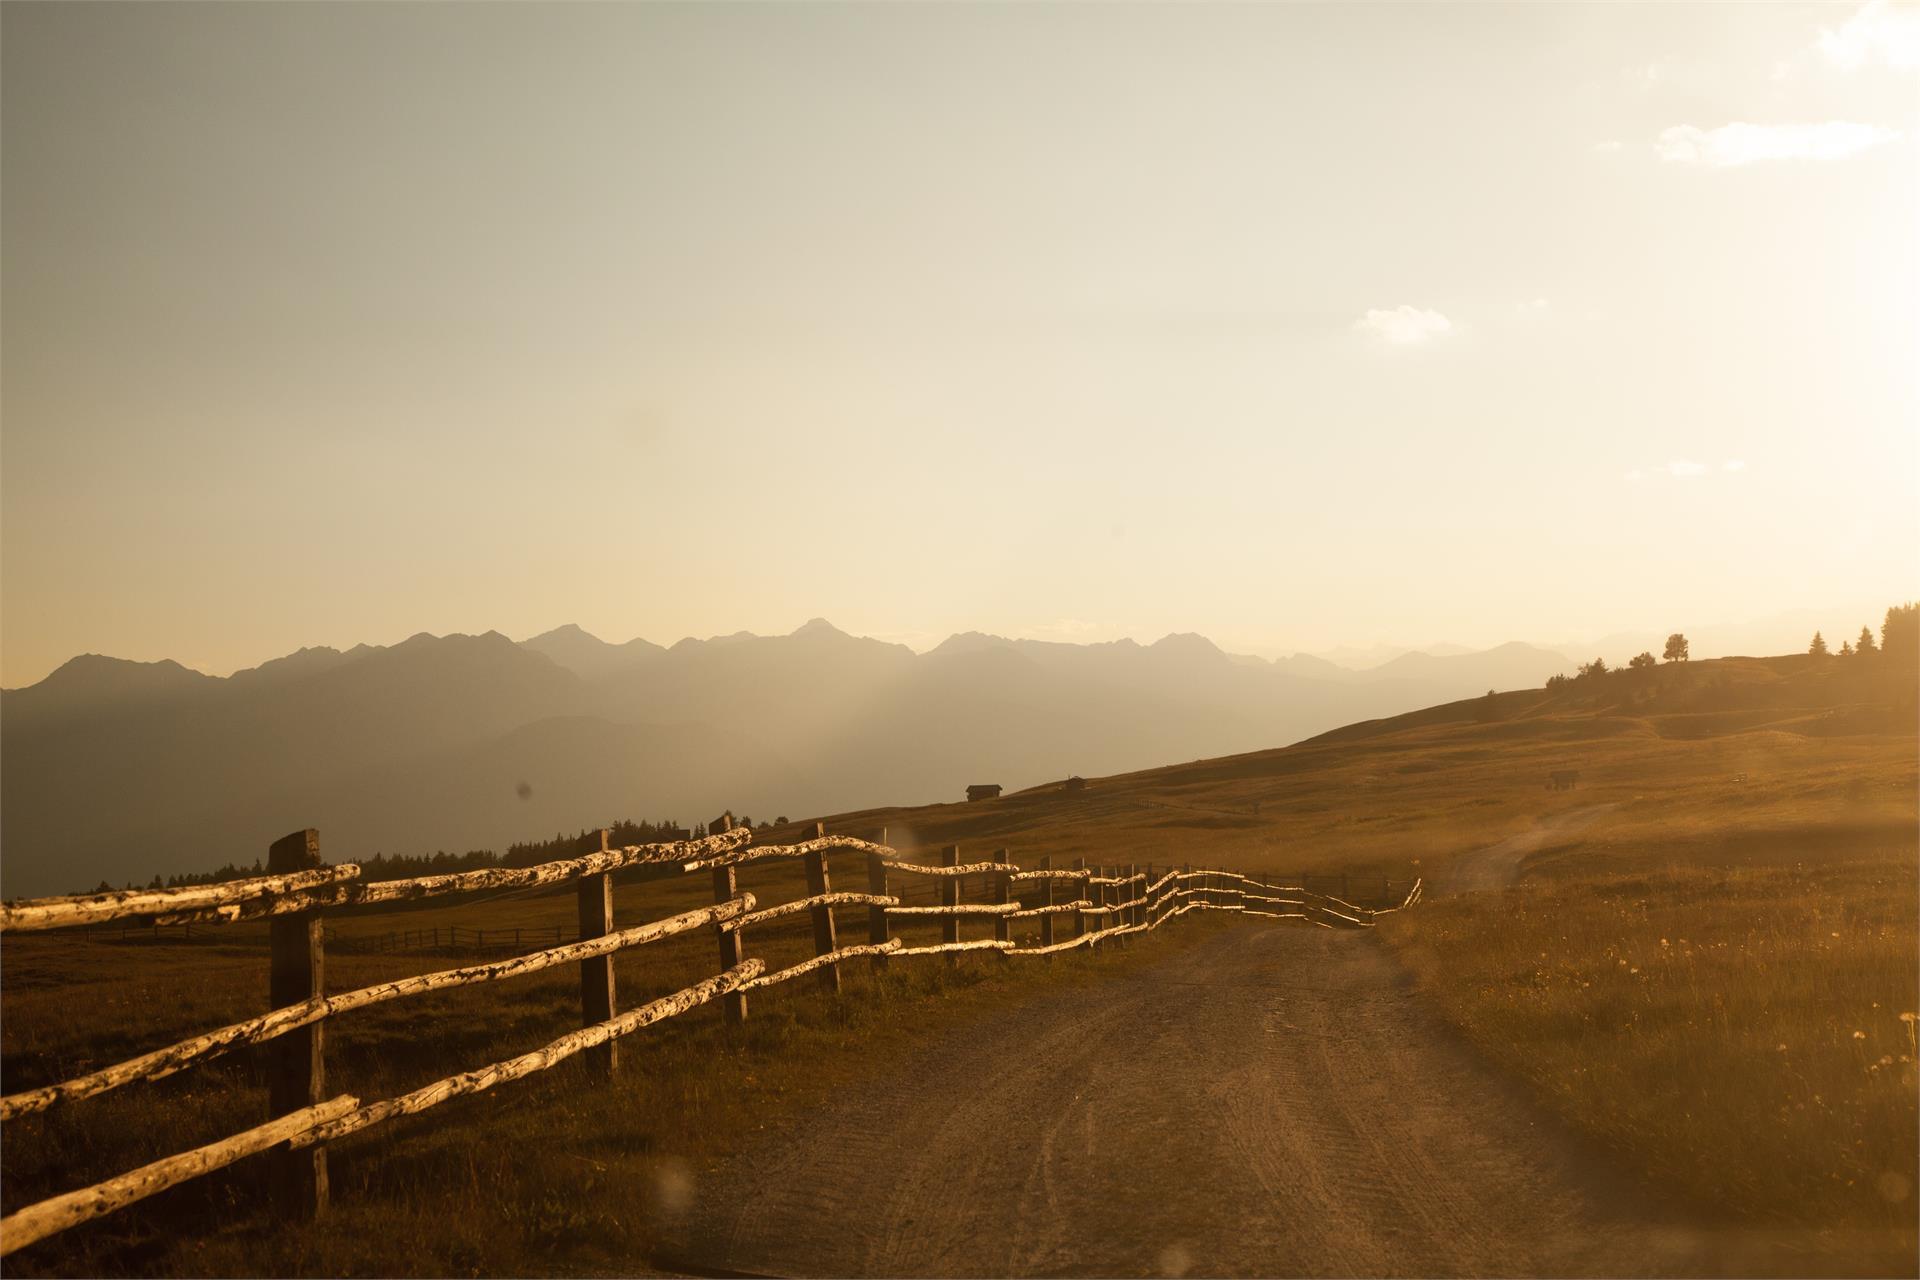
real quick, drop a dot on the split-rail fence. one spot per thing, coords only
(1099, 905)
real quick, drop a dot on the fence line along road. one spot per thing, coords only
(298, 890)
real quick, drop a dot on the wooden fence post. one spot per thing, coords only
(1003, 894)
(950, 897)
(877, 916)
(1046, 900)
(1127, 893)
(1102, 897)
(733, 942)
(1085, 891)
(817, 886)
(297, 1068)
(596, 974)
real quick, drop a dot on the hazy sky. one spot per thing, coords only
(1293, 325)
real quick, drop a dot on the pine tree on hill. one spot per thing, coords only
(1900, 634)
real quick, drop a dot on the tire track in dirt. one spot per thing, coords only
(1497, 865)
(1270, 1101)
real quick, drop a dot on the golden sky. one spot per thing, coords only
(1293, 325)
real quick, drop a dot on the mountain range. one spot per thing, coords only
(115, 770)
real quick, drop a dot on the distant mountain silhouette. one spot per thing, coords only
(1511, 665)
(93, 685)
(116, 770)
(588, 655)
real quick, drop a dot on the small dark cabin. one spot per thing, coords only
(1075, 783)
(983, 791)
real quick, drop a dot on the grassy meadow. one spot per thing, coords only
(1740, 1035)
(1734, 873)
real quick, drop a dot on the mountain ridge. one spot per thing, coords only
(426, 743)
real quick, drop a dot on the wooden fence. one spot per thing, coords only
(1098, 905)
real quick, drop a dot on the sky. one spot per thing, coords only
(1295, 325)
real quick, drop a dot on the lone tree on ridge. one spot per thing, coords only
(1676, 648)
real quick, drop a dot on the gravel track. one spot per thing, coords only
(1497, 865)
(1269, 1101)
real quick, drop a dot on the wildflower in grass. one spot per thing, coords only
(1859, 1035)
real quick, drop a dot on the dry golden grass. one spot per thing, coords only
(1743, 1036)
(1735, 760)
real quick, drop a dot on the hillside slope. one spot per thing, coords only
(1731, 758)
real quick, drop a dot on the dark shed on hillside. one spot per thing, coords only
(983, 791)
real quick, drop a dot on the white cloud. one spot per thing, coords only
(1877, 31)
(1680, 469)
(1404, 325)
(1739, 143)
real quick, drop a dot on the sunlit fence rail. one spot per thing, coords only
(1073, 907)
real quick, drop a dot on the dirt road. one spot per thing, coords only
(1498, 865)
(1270, 1101)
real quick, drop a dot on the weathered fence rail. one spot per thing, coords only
(1102, 904)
